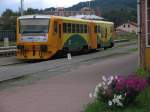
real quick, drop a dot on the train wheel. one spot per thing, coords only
(105, 48)
(112, 45)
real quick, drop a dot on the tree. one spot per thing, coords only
(8, 20)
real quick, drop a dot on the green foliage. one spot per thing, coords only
(120, 16)
(129, 36)
(143, 73)
(8, 20)
(96, 106)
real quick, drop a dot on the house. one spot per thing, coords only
(130, 27)
(144, 33)
(60, 11)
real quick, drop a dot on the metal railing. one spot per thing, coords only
(8, 35)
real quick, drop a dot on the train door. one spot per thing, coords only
(92, 36)
(57, 34)
(60, 34)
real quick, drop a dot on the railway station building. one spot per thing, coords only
(60, 11)
(144, 32)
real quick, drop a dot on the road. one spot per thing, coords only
(67, 88)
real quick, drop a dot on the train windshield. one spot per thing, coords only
(34, 26)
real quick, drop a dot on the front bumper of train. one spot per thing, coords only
(33, 52)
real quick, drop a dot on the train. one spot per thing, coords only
(43, 36)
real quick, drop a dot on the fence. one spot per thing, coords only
(11, 35)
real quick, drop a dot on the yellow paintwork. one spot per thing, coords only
(147, 58)
(55, 43)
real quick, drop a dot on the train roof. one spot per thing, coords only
(83, 20)
(64, 18)
(35, 16)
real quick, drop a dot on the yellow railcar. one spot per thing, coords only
(42, 36)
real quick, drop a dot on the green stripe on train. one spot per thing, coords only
(106, 44)
(75, 42)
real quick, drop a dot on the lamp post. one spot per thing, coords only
(21, 7)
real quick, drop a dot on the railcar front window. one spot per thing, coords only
(28, 26)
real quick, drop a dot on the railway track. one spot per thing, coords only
(11, 60)
(12, 68)
(11, 51)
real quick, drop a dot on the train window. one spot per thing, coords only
(81, 28)
(69, 27)
(55, 27)
(112, 29)
(103, 32)
(64, 27)
(106, 32)
(77, 28)
(85, 28)
(98, 29)
(73, 28)
(95, 29)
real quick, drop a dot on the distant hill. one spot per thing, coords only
(119, 11)
(107, 5)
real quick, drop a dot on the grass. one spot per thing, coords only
(128, 36)
(134, 49)
(142, 103)
(143, 73)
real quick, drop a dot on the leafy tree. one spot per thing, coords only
(31, 11)
(8, 20)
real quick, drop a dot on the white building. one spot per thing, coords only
(129, 27)
(88, 17)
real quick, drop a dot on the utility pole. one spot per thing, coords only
(139, 29)
(22, 7)
(89, 4)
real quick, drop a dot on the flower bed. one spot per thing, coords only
(119, 91)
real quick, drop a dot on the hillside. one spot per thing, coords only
(107, 5)
(118, 11)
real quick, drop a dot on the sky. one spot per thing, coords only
(40, 4)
